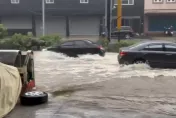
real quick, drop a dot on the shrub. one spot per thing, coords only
(51, 39)
(27, 42)
(30, 34)
(122, 43)
(114, 47)
(3, 31)
(104, 42)
(5, 44)
(18, 41)
(21, 42)
(125, 43)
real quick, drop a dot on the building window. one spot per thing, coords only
(171, 1)
(157, 1)
(84, 1)
(126, 2)
(49, 1)
(15, 1)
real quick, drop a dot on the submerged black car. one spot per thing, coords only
(78, 47)
(160, 54)
(126, 32)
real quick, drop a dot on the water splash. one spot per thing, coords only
(59, 69)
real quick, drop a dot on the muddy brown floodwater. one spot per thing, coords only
(97, 87)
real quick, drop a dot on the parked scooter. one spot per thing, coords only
(168, 31)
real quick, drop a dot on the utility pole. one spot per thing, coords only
(43, 17)
(106, 1)
(109, 15)
(119, 17)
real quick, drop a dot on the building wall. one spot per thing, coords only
(132, 10)
(158, 15)
(77, 26)
(157, 22)
(60, 7)
(74, 26)
(145, 24)
(87, 17)
(84, 25)
(53, 25)
(18, 22)
(132, 15)
(150, 5)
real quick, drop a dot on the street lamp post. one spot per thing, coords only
(108, 17)
(105, 19)
(108, 14)
(119, 17)
(43, 17)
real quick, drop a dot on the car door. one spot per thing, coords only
(67, 48)
(154, 54)
(92, 47)
(170, 55)
(80, 47)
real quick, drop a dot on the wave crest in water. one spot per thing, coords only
(139, 70)
(134, 67)
(59, 69)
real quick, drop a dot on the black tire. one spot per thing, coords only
(127, 36)
(138, 61)
(72, 55)
(102, 54)
(30, 100)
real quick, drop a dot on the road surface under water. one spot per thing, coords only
(97, 87)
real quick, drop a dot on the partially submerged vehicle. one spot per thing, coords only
(75, 48)
(17, 80)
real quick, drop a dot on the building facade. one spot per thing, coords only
(159, 14)
(63, 17)
(132, 14)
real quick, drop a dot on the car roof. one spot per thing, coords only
(157, 41)
(84, 40)
(148, 42)
(125, 26)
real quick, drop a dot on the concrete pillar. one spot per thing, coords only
(33, 25)
(67, 26)
(145, 24)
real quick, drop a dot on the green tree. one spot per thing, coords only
(51, 39)
(3, 31)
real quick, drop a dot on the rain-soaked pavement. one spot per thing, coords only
(97, 87)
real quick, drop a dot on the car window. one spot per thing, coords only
(90, 42)
(122, 28)
(169, 47)
(67, 44)
(80, 43)
(154, 47)
(125, 28)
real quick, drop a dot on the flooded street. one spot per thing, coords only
(97, 87)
